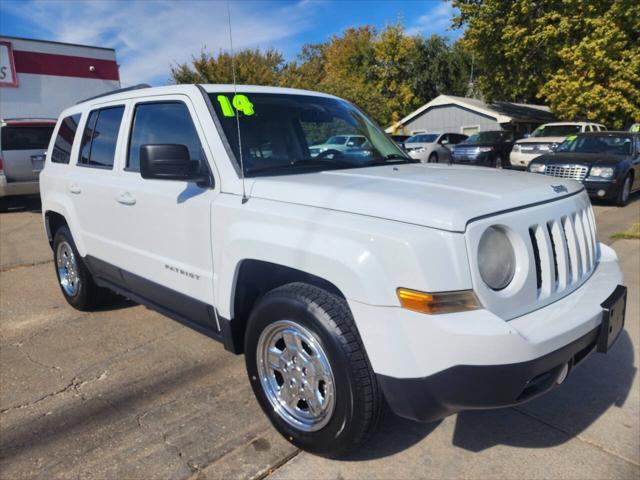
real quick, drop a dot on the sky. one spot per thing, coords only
(150, 36)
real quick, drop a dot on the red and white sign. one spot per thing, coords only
(8, 77)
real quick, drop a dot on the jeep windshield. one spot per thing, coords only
(283, 134)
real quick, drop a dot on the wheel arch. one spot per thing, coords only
(253, 279)
(52, 222)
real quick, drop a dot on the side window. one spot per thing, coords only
(87, 135)
(64, 139)
(100, 137)
(162, 123)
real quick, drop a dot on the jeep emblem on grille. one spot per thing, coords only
(559, 188)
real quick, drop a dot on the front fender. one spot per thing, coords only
(366, 258)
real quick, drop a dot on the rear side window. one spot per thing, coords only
(64, 140)
(100, 136)
(162, 123)
(26, 137)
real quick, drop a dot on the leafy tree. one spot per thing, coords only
(440, 68)
(253, 67)
(307, 72)
(580, 56)
(387, 74)
(600, 76)
(394, 69)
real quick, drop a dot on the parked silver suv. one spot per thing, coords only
(23, 144)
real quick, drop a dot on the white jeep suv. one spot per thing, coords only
(545, 138)
(345, 278)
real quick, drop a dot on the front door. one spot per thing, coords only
(165, 224)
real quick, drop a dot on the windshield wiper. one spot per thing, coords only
(302, 162)
(391, 159)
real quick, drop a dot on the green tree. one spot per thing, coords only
(580, 56)
(394, 53)
(440, 68)
(253, 67)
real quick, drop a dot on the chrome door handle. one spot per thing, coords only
(75, 188)
(126, 198)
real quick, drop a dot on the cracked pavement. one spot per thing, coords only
(127, 393)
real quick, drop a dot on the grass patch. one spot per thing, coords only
(632, 233)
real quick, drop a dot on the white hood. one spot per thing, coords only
(438, 196)
(541, 140)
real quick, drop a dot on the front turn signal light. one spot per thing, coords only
(436, 303)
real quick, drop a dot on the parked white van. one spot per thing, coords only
(348, 278)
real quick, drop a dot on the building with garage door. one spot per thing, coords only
(38, 79)
(447, 113)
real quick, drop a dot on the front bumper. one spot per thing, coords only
(483, 158)
(522, 160)
(430, 366)
(603, 189)
(469, 387)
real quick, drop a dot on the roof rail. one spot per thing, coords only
(119, 90)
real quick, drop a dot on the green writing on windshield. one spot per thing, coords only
(240, 102)
(571, 138)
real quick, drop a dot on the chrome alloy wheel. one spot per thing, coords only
(296, 375)
(67, 266)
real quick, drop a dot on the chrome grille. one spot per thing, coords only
(574, 172)
(535, 147)
(565, 251)
(465, 150)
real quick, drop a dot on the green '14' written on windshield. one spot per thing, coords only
(240, 102)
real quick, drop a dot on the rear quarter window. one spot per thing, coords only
(64, 139)
(26, 137)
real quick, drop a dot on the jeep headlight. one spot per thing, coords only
(496, 258)
(603, 172)
(536, 167)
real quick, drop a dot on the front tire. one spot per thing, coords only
(499, 162)
(75, 280)
(433, 158)
(309, 370)
(625, 192)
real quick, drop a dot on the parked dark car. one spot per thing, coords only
(607, 163)
(490, 149)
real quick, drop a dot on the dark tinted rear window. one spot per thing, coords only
(26, 138)
(64, 140)
(100, 152)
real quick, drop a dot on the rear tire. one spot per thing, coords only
(349, 401)
(74, 278)
(624, 194)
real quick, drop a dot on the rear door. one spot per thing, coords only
(92, 181)
(23, 146)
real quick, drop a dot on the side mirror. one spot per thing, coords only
(444, 142)
(169, 162)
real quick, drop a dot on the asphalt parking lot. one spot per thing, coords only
(126, 393)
